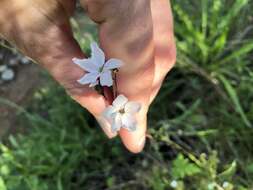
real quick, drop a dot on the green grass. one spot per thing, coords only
(201, 121)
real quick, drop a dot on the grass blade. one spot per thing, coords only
(239, 53)
(233, 95)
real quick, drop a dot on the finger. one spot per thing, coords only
(96, 104)
(131, 41)
(165, 55)
(135, 141)
(165, 51)
(133, 44)
(54, 49)
(67, 73)
(97, 10)
(138, 92)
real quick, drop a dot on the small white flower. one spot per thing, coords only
(121, 114)
(25, 60)
(3, 68)
(173, 184)
(225, 184)
(97, 69)
(7, 75)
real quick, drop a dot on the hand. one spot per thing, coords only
(138, 33)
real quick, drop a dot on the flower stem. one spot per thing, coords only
(114, 87)
(99, 89)
(107, 92)
(110, 93)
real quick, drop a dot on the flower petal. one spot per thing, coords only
(106, 78)
(117, 123)
(107, 113)
(132, 107)
(112, 64)
(97, 55)
(120, 102)
(88, 78)
(93, 84)
(86, 64)
(129, 122)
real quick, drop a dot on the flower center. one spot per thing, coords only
(100, 69)
(122, 111)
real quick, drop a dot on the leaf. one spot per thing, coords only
(189, 32)
(246, 48)
(4, 170)
(250, 168)
(204, 19)
(233, 95)
(13, 141)
(215, 17)
(229, 172)
(59, 183)
(181, 167)
(2, 184)
(233, 12)
(220, 43)
(110, 181)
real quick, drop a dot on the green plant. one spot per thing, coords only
(200, 123)
(212, 48)
(61, 150)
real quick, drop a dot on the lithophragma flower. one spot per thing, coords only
(98, 70)
(122, 113)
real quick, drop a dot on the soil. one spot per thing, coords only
(27, 79)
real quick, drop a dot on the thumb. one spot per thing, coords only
(59, 63)
(42, 31)
(54, 49)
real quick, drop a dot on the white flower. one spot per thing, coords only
(173, 184)
(3, 68)
(24, 60)
(8, 75)
(225, 184)
(121, 113)
(97, 69)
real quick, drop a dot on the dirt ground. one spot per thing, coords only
(19, 91)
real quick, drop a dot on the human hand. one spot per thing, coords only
(140, 35)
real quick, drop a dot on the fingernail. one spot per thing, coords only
(142, 142)
(105, 125)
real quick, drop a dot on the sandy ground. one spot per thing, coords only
(18, 91)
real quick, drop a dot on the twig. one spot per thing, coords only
(7, 47)
(114, 87)
(122, 185)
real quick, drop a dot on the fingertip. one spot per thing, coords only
(140, 146)
(96, 104)
(134, 141)
(106, 127)
(134, 145)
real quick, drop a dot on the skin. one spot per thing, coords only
(139, 32)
